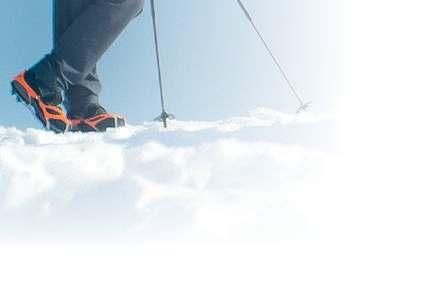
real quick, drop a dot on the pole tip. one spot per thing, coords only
(304, 107)
(164, 117)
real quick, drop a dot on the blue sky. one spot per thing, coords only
(214, 66)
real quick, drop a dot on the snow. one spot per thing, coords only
(248, 198)
(195, 181)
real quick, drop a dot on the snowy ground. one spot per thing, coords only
(238, 179)
(266, 196)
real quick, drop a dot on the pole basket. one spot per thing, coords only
(304, 107)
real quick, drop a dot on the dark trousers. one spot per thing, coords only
(83, 31)
(87, 90)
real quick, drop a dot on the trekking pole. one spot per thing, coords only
(164, 116)
(303, 105)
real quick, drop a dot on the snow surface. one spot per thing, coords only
(224, 180)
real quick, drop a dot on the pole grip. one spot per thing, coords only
(245, 11)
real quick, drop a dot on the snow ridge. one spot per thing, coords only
(131, 183)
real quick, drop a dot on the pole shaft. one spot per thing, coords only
(156, 44)
(276, 61)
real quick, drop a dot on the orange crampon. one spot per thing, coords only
(98, 123)
(51, 116)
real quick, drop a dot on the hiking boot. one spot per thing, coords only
(41, 91)
(95, 119)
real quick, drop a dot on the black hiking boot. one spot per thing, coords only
(86, 114)
(40, 89)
